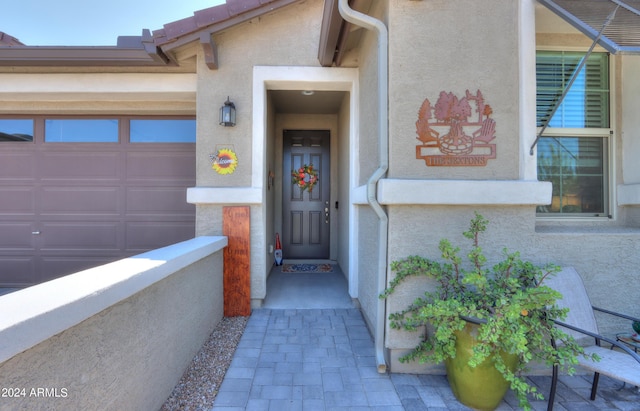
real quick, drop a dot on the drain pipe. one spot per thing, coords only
(369, 23)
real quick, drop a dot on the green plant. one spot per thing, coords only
(515, 310)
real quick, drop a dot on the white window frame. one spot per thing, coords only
(608, 133)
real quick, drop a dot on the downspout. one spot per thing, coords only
(370, 23)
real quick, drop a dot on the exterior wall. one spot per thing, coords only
(129, 355)
(98, 93)
(342, 215)
(367, 243)
(265, 41)
(431, 53)
(454, 46)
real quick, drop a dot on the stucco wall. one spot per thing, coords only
(432, 51)
(264, 41)
(453, 46)
(127, 357)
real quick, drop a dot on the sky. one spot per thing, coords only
(90, 22)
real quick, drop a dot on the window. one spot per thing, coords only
(163, 131)
(81, 131)
(573, 152)
(16, 130)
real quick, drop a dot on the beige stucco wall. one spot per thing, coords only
(602, 251)
(129, 356)
(368, 234)
(264, 41)
(453, 46)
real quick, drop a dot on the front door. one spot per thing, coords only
(305, 219)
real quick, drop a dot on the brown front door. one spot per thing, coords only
(305, 220)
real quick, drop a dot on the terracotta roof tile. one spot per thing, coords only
(211, 15)
(7, 40)
(236, 7)
(208, 17)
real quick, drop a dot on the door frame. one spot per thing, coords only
(304, 78)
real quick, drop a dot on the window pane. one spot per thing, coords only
(16, 130)
(576, 168)
(81, 131)
(163, 131)
(587, 101)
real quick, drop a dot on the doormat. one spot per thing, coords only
(307, 268)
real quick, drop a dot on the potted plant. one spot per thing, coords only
(505, 312)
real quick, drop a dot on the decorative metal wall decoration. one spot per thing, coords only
(224, 160)
(449, 138)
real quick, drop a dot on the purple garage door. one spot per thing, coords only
(77, 193)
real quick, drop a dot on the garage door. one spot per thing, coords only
(76, 192)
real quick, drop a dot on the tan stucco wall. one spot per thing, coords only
(264, 41)
(602, 251)
(453, 46)
(368, 233)
(129, 356)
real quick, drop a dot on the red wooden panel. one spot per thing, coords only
(236, 225)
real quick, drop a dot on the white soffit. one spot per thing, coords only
(622, 34)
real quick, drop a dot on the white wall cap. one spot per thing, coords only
(34, 314)
(463, 192)
(628, 194)
(224, 195)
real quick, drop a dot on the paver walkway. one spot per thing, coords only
(323, 359)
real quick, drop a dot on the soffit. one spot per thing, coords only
(295, 102)
(338, 36)
(622, 33)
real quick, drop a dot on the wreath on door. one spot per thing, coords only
(305, 177)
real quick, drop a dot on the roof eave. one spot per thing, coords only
(172, 36)
(130, 51)
(78, 56)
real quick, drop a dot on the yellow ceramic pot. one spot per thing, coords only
(482, 387)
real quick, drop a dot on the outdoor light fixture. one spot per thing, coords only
(228, 114)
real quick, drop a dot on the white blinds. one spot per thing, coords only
(587, 102)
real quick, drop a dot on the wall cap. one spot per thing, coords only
(34, 314)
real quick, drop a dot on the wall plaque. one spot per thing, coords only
(452, 133)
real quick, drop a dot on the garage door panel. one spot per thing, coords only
(81, 165)
(18, 271)
(79, 236)
(154, 234)
(80, 200)
(61, 266)
(158, 200)
(166, 166)
(16, 236)
(17, 166)
(17, 201)
(65, 207)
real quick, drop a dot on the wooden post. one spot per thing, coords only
(236, 225)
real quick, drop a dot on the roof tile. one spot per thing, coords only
(236, 7)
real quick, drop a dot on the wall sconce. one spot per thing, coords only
(228, 114)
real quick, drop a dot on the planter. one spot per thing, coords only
(482, 387)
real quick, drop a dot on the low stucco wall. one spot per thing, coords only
(159, 308)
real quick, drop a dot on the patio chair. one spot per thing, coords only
(618, 361)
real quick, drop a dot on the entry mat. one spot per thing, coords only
(307, 268)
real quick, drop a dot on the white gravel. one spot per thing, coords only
(199, 384)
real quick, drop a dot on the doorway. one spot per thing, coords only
(306, 214)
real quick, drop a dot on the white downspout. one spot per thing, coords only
(378, 26)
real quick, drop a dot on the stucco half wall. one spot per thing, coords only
(116, 337)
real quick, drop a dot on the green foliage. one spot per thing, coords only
(515, 309)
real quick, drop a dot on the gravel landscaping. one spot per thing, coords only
(199, 384)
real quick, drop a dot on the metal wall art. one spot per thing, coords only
(451, 135)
